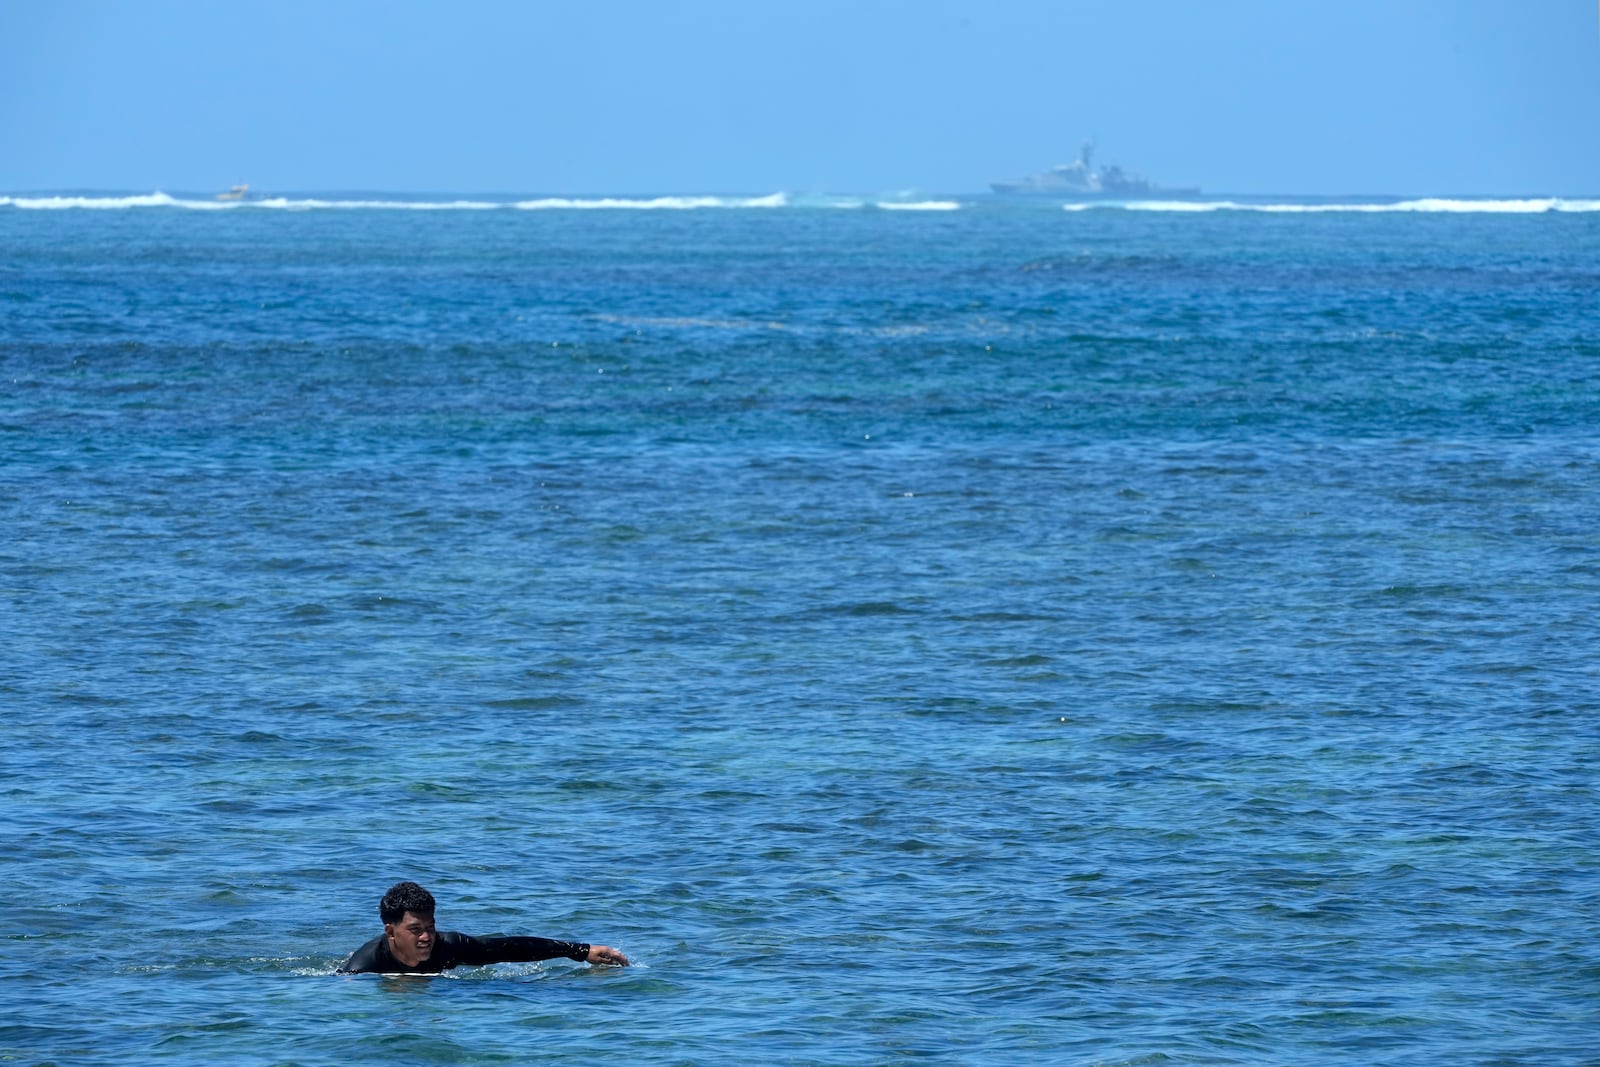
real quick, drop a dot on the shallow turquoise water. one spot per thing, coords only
(1102, 637)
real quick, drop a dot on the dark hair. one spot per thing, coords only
(404, 897)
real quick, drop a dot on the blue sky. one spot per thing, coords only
(706, 96)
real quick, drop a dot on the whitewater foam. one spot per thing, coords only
(280, 203)
(1422, 205)
(1419, 205)
(109, 203)
(667, 203)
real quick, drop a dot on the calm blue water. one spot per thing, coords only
(1108, 636)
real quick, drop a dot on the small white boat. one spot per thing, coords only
(237, 192)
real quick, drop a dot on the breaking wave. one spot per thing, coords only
(283, 203)
(901, 202)
(547, 203)
(1421, 205)
(669, 203)
(108, 203)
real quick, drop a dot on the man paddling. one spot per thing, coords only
(409, 943)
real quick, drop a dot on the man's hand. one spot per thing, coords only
(605, 954)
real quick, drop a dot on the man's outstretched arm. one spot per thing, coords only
(474, 951)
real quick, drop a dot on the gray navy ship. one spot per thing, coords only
(1081, 180)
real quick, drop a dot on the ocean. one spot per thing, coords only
(930, 630)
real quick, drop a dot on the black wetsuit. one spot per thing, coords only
(451, 949)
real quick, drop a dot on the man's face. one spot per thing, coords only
(411, 939)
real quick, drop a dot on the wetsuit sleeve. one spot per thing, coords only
(475, 951)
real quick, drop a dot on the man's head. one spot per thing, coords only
(404, 897)
(407, 914)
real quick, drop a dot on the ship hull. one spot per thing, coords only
(1152, 193)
